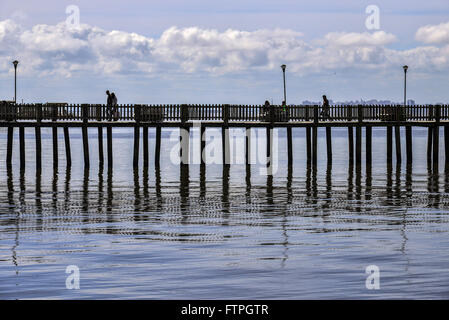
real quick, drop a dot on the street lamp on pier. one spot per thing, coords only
(15, 63)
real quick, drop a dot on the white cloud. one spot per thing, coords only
(58, 50)
(434, 34)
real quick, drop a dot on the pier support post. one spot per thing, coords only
(358, 146)
(185, 144)
(22, 147)
(351, 145)
(314, 145)
(136, 146)
(84, 132)
(203, 143)
(54, 131)
(85, 146)
(100, 146)
(446, 145)
(9, 146)
(397, 136)
(436, 144)
(389, 145)
(329, 144)
(157, 153)
(369, 146)
(408, 144)
(145, 146)
(309, 145)
(109, 143)
(37, 136)
(225, 146)
(429, 144)
(289, 146)
(68, 154)
(248, 145)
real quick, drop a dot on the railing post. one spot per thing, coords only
(360, 113)
(184, 113)
(226, 114)
(39, 112)
(315, 114)
(137, 112)
(85, 112)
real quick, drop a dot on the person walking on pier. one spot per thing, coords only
(325, 108)
(109, 105)
(114, 108)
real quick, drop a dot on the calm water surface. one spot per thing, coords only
(232, 233)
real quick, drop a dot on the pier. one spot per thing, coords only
(142, 117)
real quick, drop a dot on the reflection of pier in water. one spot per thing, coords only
(98, 207)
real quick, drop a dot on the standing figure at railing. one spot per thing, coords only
(114, 106)
(109, 105)
(325, 108)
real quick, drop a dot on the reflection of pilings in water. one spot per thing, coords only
(137, 201)
(109, 200)
(184, 187)
(289, 185)
(408, 180)
(157, 185)
(397, 189)
(100, 189)
(145, 189)
(350, 182)
(368, 182)
(85, 201)
(269, 193)
(328, 200)
(68, 175)
(202, 180)
(389, 184)
(433, 188)
(358, 187)
(11, 204)
(225, 193)
(54, 189)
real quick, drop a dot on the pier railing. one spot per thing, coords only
(219, 113)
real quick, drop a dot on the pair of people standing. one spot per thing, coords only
(112, 106)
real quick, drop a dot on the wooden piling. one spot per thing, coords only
(429, 144)
(408, 144)
(68, 153)
(446, 145)
(54, 131)
(397, 136)
(37, 136)
(109, 144)
(248, 145)
(329, 144)
(100, 147)
(9, 146)
(289, 147)
(136, 146)
(184, 138)
(203, 144)
(84, 132)
(369, 146)
(145, 146)
(351, 145)
(358, 146)
(308, 145)
(314, 145)
(436, 145)
(22, 147)
(157, 153)
(389, 145)
(85, 147)
(269, 151)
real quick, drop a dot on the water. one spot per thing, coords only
(223, 234)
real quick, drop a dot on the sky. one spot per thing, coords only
(203, 52)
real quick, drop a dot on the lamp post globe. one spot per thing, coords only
(283, 72)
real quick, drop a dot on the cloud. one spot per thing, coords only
(434, 34)
(66, 51)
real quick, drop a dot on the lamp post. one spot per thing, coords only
(15, 63)
(283, 72)
(405, 84)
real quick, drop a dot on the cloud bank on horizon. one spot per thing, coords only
(59, 50)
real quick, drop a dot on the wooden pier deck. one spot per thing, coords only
(354, 118)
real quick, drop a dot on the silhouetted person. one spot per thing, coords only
(266, 110)
(114, 108)
(325, 108)
(109, 105)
